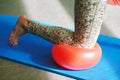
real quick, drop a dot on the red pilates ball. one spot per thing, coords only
(75, 58)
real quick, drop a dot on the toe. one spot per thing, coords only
(13, 41)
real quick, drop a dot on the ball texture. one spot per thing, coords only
(74, 58)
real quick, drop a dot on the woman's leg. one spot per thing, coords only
(57, 35)
(88, 20)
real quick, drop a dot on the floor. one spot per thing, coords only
(60, 12)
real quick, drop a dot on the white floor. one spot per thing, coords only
(59, 12)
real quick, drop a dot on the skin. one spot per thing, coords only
(88, 21)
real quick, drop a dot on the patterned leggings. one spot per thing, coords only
(88, 21)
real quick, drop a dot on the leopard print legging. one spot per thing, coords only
(88, 21)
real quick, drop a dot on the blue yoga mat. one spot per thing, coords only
(35, 51)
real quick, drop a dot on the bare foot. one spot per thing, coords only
(19, 29)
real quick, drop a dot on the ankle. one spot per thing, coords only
(23, 21)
